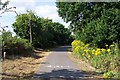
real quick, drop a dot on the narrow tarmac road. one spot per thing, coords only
(58, 65)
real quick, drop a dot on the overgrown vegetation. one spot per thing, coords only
(93, 22)
(104, 59)
(96, 29)
(14, 45)
(45, 32)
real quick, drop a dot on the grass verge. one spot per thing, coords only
(21, 67)
(84, 66)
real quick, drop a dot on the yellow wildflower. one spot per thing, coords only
(86, 51)
(83, 54)
(77, 49)
(98, 49)
(89, 56)
(108, 50)
(93, 51)
(103, 49)
(75, 43)
(97, 53)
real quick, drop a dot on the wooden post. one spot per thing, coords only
(4, 55)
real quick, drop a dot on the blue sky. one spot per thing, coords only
(43, 8)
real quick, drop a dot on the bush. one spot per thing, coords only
(18, 46)
(103, 59)
(15, 45)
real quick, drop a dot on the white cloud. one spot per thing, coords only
(23, 3)
(48, 11)
(21, 6)
(45, 10)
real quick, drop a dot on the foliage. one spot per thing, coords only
(102, 59)
(15, 45)
(3, 6)
(108, 74)
(92, 22)
(96, 25)
(45, 32)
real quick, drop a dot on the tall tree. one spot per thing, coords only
(79, 13)
(23, 24)
(45, 32)
(92, 21)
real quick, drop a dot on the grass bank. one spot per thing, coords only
(19, 67)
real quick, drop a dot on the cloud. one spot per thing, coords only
(23, 3)
(48, 11)
(21, 6)
(45, 11)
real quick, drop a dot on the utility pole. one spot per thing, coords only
(30, 26)
(30, 30)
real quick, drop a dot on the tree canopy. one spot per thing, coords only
(92, 22)
(45, 32)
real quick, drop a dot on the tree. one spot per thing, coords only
(23, 23)
(45, 32)
(61, 33)
(80, 12)
(4, 8)
(92, 22)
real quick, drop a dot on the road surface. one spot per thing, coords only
(58, 65)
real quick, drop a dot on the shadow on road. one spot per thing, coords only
(65, 74)
(62, 49)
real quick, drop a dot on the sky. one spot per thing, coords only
(42, 8)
